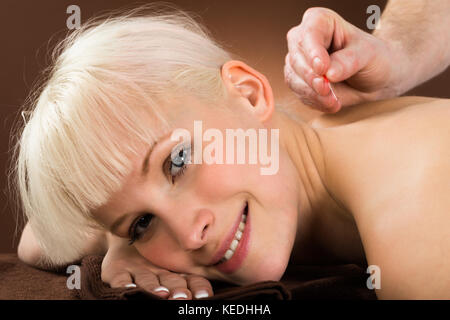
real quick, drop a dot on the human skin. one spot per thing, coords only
(409, 46)
(393, 177)
(349, 177)
(367, 184)
(327, 228)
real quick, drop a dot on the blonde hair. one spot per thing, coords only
(104, 78)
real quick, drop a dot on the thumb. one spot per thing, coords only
(345, 63)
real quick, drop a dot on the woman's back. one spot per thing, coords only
(388, 163)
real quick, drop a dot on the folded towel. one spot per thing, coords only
(92, 287)
(19, 281)
(341, 282)
(299, 282)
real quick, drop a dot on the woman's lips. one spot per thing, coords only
(240, 252)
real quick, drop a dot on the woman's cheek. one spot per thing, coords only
(214, 181)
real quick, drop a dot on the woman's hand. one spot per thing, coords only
(123, 266)
(359, 66)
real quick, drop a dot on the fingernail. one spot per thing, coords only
(317, 65)
(180, 295)
(130, 285)
(201, 294)
(161, 288)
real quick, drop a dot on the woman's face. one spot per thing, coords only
(187, 217)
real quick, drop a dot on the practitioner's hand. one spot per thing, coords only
(359, 66)
(123, 266)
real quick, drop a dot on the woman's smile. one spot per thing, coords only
(221, 221)
(234, 247)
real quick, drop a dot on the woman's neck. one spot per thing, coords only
(326, 231)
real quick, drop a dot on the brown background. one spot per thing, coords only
(255, 30)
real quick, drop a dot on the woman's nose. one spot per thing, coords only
(193, 231)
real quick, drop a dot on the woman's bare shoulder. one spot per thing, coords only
(392, 169)
(371, 109)
(387, 149)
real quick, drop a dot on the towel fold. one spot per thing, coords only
(92, 287)
(19, 281)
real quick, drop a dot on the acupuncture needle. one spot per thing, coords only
(331, 88)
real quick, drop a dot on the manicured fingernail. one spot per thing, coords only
(317, 65)
(130, 285)
(180, 295)
(161, 288)
(201, 294)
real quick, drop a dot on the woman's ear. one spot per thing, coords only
(243, 81)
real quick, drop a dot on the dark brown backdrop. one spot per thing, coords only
(255, 30)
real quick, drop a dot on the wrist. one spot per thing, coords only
(403, 75)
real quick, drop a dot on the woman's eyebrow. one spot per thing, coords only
(144, 170)
(145, 162)
(145, 167)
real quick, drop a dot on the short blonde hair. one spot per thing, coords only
(104, 77)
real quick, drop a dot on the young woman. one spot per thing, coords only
(99, 172)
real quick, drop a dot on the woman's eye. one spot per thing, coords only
(139, 227)
(179, 158)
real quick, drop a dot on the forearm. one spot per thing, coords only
(30, 252)
(418, 32)
(28, 249)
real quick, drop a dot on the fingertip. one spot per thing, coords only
(161, 291)
(334, 72)
(321, 86)
(180, 295)
(334, 107)
(201, 294)
(161, 294)
(328, 104)
(319, 61)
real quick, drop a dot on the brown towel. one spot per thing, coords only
(19, 281)
(92, 287)
(299, 282)
(346, 281)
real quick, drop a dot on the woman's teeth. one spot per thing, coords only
(235, 242)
